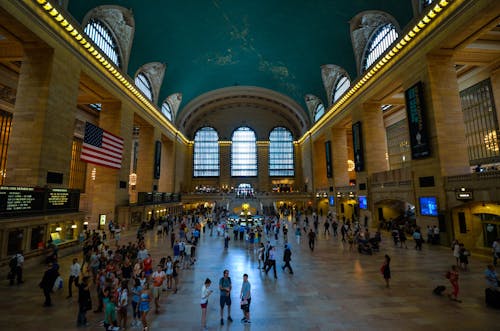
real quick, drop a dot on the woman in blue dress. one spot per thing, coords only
(144, 305)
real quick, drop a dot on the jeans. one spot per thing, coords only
(82, 316)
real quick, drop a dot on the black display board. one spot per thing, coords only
(357, 142)
(328, 157)
(18, 200)
(417, 125)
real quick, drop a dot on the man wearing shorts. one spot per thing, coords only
(158, 278)
(245, 299)
(225, 296)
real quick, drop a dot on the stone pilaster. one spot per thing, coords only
(145, 159)
(447, 129)
(263, 166)
(167, 178)
(340, 157)
(225, 163)
(46, 94)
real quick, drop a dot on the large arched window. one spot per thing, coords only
(320, 110)
(142, 82)
(379, 43)
(103, 38)
(166, 110)
(281, 152)
(206, 153)
(244, 153)
(342, 85)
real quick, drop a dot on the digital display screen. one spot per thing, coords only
(363, 203)
(428, 206)
(331, 200)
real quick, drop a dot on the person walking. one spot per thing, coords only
(16, 268)
(205, 293)
(225, 287)
(271, 261)
(84, 301)
(47, 283)
(158, 279)
(245, 297)
(287, 257)
(312, 238)
(144, 305)
(74, 273)
(386, 270)
(298, 234)
(136, 292)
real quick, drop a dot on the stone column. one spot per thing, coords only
(225, 163)
(145, 159)
(44, 118)
(340, 157)
(263, 166)
(103, 190)
(166, 182)
(445, 117)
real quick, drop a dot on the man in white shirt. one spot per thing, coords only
(74, 273)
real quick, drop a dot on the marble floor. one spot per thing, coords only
(333, 288)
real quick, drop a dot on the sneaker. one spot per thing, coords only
(221, 321)
(229, 319)
(248, 321)
(244, 319)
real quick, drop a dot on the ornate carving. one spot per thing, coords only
(121, 22)
(174, 100)
(155, 71)
(331, 73)
(363, 26)
(312, 102)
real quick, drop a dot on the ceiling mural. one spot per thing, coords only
(278, 45)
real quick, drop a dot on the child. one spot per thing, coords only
(452, 276)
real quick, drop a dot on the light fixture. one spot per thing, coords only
(73, 226)
(85, 223)
(58, 229)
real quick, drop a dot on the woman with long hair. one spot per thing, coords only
(205, 293)
(144, 305)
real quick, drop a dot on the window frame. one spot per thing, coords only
(251, 169)
(378, 44)
(102, 36)
(281, 150)
(207, 168)
(144, 85)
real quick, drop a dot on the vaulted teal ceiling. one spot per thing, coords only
(275, 44)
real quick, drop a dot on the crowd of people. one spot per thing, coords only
(127, 279)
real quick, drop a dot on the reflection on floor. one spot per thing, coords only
(333, 288)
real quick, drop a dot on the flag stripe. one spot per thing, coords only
(101, 147)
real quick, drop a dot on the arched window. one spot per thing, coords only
(379, 43)
(320, 110)
(206, 153)
(244, 153)
(281, 152)
(342, 85)
(142, 82)
(102, 37)
(166, 110)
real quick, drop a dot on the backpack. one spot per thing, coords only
(13, 262)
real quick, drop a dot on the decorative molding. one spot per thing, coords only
(362, 27)
(174, 101)
(155, 71)
(331, 73)
(312, 102)
(121, 23)
(7, 94)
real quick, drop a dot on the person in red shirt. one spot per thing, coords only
(148, 266)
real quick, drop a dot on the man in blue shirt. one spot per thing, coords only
(491, 277)
(245, 299)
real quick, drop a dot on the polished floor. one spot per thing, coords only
(333, 288)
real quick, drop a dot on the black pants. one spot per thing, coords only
(48, 301)
(311, 244)
(271, 264)
(72, 279)
(287, 265)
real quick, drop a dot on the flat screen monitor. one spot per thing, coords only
(331, 200)
(428, 206)
(363, 203)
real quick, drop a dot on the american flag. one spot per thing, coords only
(101, 147)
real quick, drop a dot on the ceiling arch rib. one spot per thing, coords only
(243, 105)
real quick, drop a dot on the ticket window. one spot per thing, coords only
(55, 233)
(71, 231)
(37, 238)
(15, 241)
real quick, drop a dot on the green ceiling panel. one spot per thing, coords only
(275, 44)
